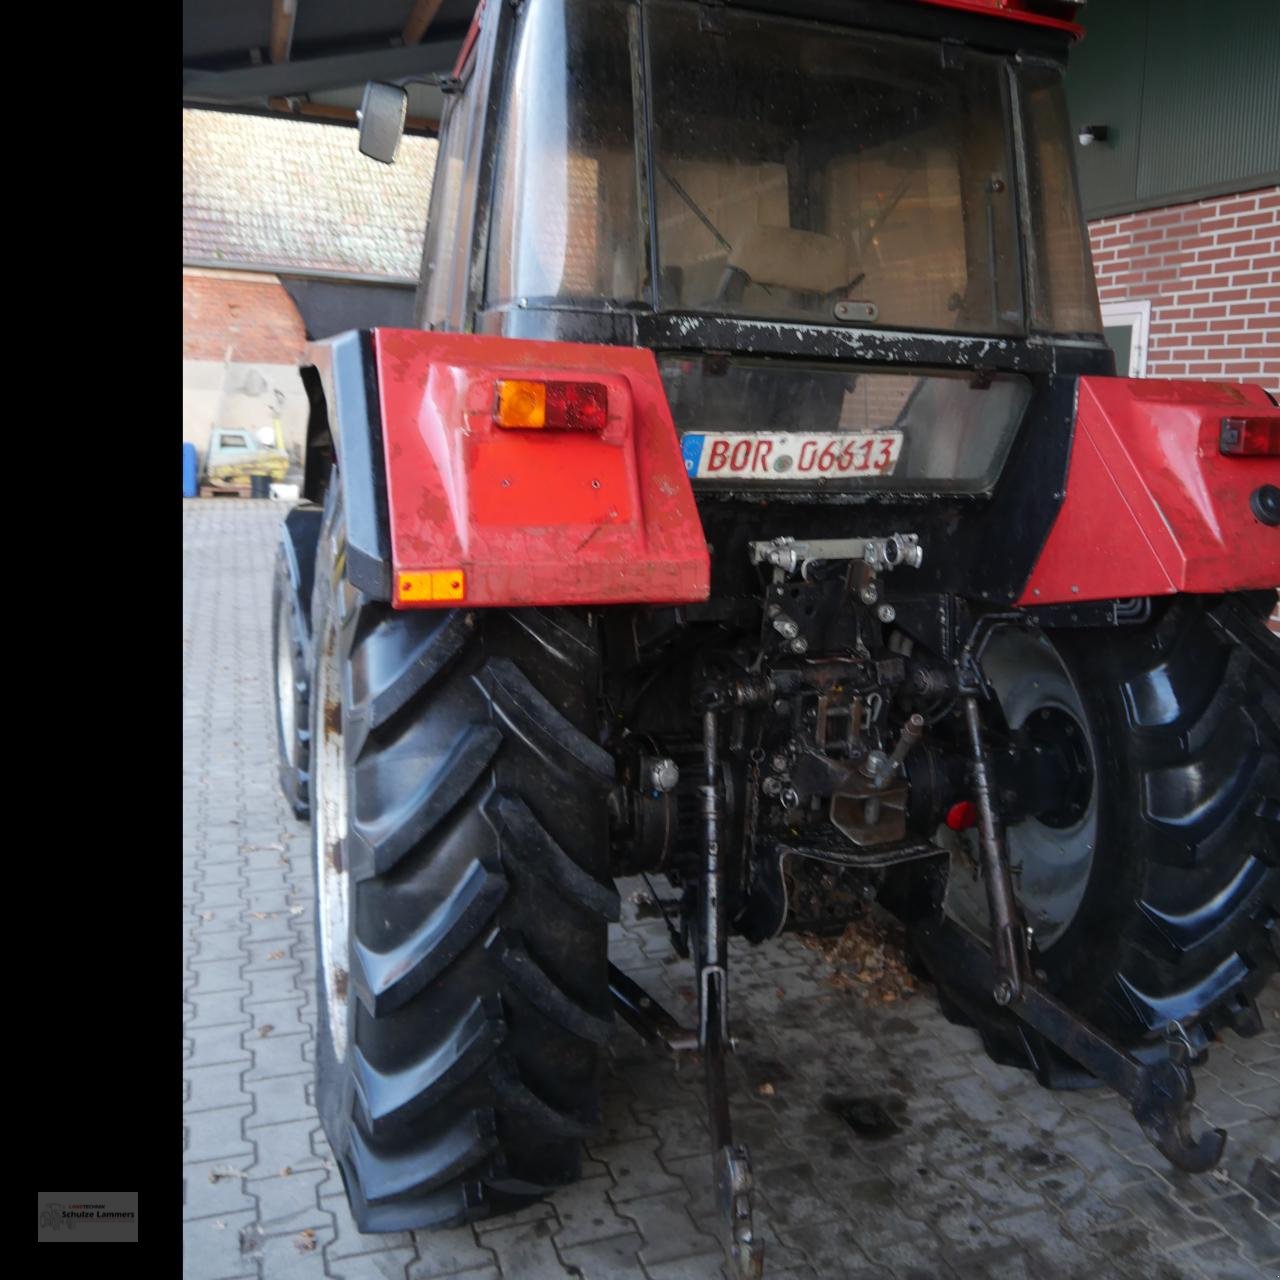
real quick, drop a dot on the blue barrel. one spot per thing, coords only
(190, 467)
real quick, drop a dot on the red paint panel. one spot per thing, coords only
(473, 34)
(1018, 10)
(534, 517)
(1152, 505)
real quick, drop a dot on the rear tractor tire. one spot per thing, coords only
(1154, 895)
(460, 836)
(291, 652)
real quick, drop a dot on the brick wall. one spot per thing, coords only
(1211, 271)
(242, 340)
(252, 315)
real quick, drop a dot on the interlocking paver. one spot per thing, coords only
(635, 1168)
(219, 944)
(284, 1144)
(392, 1264)
(278, 1098)
(527, 1251)
(538, 1212)
(913, 1259)
(274, 1055)
(451, 1252)
(215, 1086)
(215, 1188)
(988, 1176)
(217, 1044)
(666, 1227)
(832, 1248)
(219, 1009)
(217, 1135)
(1220, 1258)
(298, 1255)
(287, 1203)
(586, 1213)
(615, 1256)
(211, 1248)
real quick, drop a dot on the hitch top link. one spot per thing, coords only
(792, 555)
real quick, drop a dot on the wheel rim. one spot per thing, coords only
(1051, 857)
(329, 819)
(286, 698)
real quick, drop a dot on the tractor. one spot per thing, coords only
(754, 503)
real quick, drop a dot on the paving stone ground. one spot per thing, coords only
(989, 1175)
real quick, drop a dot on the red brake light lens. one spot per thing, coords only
(577, 406)
(1250, 437)
(552, 406)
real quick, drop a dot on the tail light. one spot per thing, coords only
(552, 406)
(1250, 437)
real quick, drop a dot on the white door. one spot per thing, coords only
(1124, 324)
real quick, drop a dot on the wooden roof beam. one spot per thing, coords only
(421, 16)
(345, 115)
(283, 13)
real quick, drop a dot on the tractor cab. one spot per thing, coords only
(824, 222)
(673, 170)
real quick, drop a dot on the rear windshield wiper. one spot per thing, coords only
(697, 212)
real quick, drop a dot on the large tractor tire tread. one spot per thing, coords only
(1180, 916)
(480, 898)
(1206, 751)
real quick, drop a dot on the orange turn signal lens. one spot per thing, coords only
(431, 584)
(521, 404)
(555, 406)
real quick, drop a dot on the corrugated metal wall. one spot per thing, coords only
(1190, 94)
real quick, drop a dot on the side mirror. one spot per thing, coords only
(382, 115)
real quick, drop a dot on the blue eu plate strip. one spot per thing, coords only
(691, 447)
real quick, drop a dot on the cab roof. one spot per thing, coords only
(313, 57)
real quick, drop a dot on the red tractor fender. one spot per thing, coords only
(485, 515)
(1154, 504)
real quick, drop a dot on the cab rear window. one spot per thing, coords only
(764, 424)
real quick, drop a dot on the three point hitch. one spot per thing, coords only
(1159, 1091)
(744, 1251)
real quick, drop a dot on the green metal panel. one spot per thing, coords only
(1190, 94)
(1211, 102)
(1104, 86)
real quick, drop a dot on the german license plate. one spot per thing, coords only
(791, 457)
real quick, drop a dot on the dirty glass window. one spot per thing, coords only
(442, 223)
(1064, 295)
(566, 222)
(956, 429)
(446, 250)
(797, 166)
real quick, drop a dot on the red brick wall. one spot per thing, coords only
(1211, 271)
(256, 318)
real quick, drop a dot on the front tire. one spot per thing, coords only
(460, 833)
